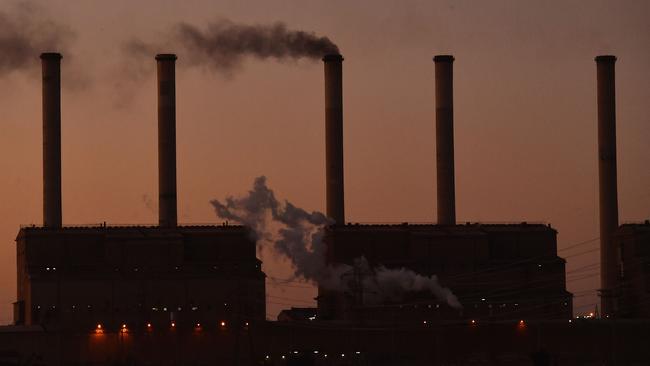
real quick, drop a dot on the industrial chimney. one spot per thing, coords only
(607, 181)
(445, 139)
(334, 137)
(167, 140)
(51, 65)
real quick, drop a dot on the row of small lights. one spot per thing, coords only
(325, 355)
(136, 269)
(164, 309)
(124, 329)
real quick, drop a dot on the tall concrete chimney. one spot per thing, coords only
(334, 137)
(167, 210)
(51, 66)
(445, 139)
(607, 181)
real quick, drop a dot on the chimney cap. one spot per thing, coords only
(51, 56)
(605, 58)
(333, 57)
(166, 57)
(443, 58)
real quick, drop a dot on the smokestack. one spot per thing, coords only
(167, 140)
(445, 139)
(334, 137)
(51, 65)
(607, 181)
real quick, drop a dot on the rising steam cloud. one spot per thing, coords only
(25, 32)
(223, 45)
(297, 235)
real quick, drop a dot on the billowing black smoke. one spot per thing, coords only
(297, 235)
(223, 45)
(25, 32)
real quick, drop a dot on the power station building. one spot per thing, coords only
(633, 288)
(497, 271)
(139, 276)
(82, 277)
(171, 294)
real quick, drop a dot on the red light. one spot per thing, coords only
(223, 324)
(99, 329)
(473, 322)
(149, 325)
(521, 323)
(173, 324)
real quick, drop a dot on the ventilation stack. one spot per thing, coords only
(167, 140)
(51, 66)
(607, 181)
(446, 193)
(334, 137)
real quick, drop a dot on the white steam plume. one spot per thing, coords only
(297, 234)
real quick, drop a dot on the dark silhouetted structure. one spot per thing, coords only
(445, 139)
(79, 277)
(633, 273)
(497, 271)
(170, 294)
(334, 138)
(607, 181)
(167, 140)
(83, 277)
(51, 64)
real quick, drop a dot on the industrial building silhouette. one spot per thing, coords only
(201, 289)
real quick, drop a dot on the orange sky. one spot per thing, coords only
(525, 126)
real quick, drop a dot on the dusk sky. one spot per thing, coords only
(525, 117)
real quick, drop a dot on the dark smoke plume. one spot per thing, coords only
(25, 32)
(297, 235)
(223, 45)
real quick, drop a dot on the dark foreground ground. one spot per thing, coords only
(579, 342)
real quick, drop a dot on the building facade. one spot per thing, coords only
(114, 277)
(633, 295)
(497, 271)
